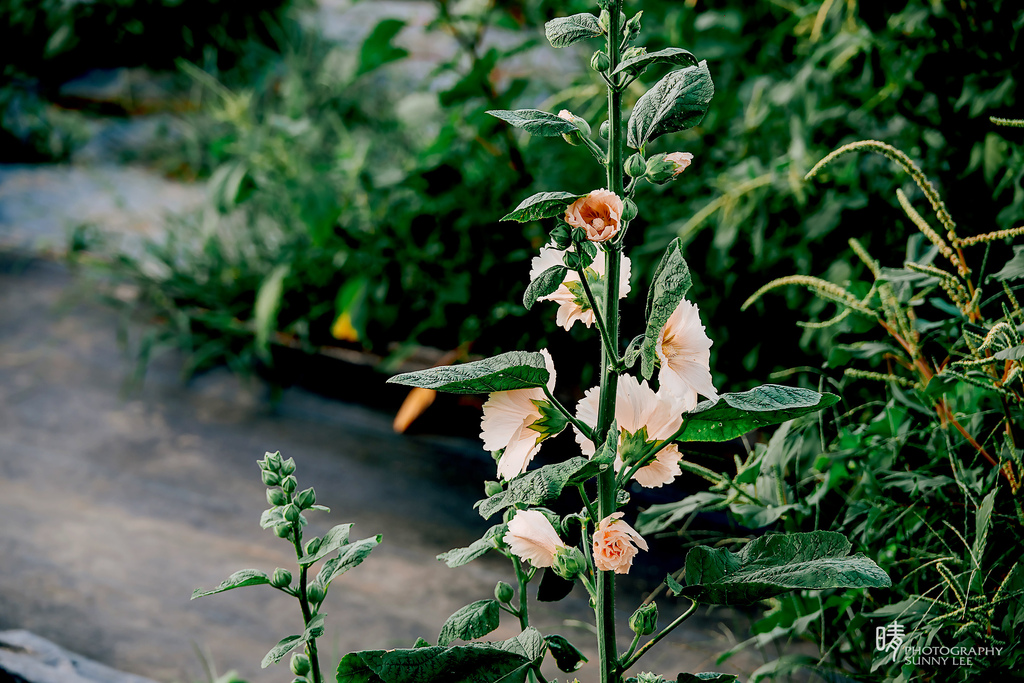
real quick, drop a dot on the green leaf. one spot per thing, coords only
(567, 656)
(671, 282)
(278, 652)
(674, 587)
(545, 283)
(332, 540)
(245, 577)
(676, 102)
(460, 556)
(1014, 268)
(1014, 353)
(351, 555)
(565, 31)
(660, 517)
(352, 669)
(706, 676)
(633, 351)
(472, 621)
(540, 485)
(377, 49)
(535, 122)
(733, 415)
(671, 55)
(542, 205)
(268, 302)
(777, 563)
(505, 372)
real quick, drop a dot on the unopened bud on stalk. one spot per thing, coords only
(300, 664)
(629, 209)
(305, 499)
(582, 127)
(289, 484)
(313, 545)
(636, 166)
(291, 512)
(634, 52)
(569, 562)
(283, 530)
(662, 168)
(276, 497)
(273, 461)
(600, 61)
(632, 29)
(492, 488)
(288, 466)
(644, 621)
(315, 593)
(561, 236)
(603, 130)
(281, 578)
(503, 592)
(271, 478)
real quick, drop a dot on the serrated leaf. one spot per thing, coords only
(670, 55)
(535, 121)
(676, 102)
(671, 283)
(542, 205)
(567, 657)
(542, 285)
(565, 31)
(505, 372)
(460, 556)
(351, 555)
(775, 564)
(352, 669)
(473, 621)
(733, 415)
(240, 579)
(540, 485)
(660, 517)
(332, 540)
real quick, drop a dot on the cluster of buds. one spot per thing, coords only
(278, 475)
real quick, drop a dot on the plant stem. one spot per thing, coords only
(523, 612)
(307, 613)
(584, 429)
(606, 488)
(630, 661)
(606, 339)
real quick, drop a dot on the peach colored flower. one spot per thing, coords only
(572, 301)
(681, 161)
(507, 420)
(684, 350)
(566, 115)
(531, 537)
(638, 406)
(614, 547)
(598, 213)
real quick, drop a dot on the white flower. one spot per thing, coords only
(507, 420)
(531, 537)
(684, 350)
(637, 406)
(571, 300)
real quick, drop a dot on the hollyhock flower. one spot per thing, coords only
(680, 159)
(638, 410)
(571, 299)
(531, 537)
(615, 544)
(598, 213)
(662, 168)
(684, 350)
(518, 421)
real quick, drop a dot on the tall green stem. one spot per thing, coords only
(307, 613)
(606, 493)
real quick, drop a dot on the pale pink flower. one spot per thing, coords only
(684, 350)
(566, 115)
(506, 424)
(681, 161)
(614, 547)
(531, 537)
(570, 297)
(638, 406)
(598, 213)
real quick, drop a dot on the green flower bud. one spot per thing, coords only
(289, 484)
(600, 61)
(305, 499)
(644, 621)
(582, 127)
(604, 20)
(300, 664)
(271, 478)
(291, 512)
(632, 28)
(634, 52)
(503, 592)
(492, 488)
(662, 168)
(283, 530)
(569, 562)
(273, 461)
(636, 166)
(632, 446)
(315, 593)
(288, 466)
(313, 545)
(281, 578)
(561, 237)
(629, 210)
(603, 130)
(276, 497)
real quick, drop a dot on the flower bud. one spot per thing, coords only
(634, 52)
(313, 545)
(288, 466)
(289, 484)
(662, 168)
(300, 664)
(604, 20)
(315, 593)
(603, 130)
(636, 166)
(632, 28)
(283, 530)
(271, 478)
(629, 210)
(291, 512)
(644, 621)
(503, 592)
(305, 499)
(276, 497)
(492, 488)
(600, 61)
(569, 562)
(273, 461)
(582, 127)
(561, 236)
(281, 578)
